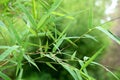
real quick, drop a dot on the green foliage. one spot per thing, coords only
(48, 39)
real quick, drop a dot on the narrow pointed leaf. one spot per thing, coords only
(4, 76)
(108, 34)
(106, 69)
(51, 66)
(92, 58)
(7, 52)
(30, 60)
(73, 56)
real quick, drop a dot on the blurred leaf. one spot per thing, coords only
(4, 47)
(78, 74)
(71, 42)
(3, 1)
(7, 52)
(30, 18)
(45, 17)
(63, 15)
(30, 60)
(106, 69)
(90, 37)
(73, 56)
(81, 64)
(13, 33)
(70, 70)
(108, 33)
(51, 66)
(4, 76)
(55, 5)
(58, 43)
(20, 75)
(2, 24)
(92, 58)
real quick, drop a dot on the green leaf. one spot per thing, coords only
(29, 16)
(55, 5)
(92, 58)
(58, 43)
(30, 60)
(90, 37)
(13, 32)
(106, 69)
(63, 15)
(78, 74)
(81, 64)
(71, 42)
(4, 76)
(64, 31)
(51, 66)
(109, 34)
(7, 52)
(45, 17)
(20, 74)
(70, 70)
(4, 47)
(2, 24)
(73, 56)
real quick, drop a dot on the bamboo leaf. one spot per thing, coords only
(44, 17)
(73, 56)
(55, 5)
(63, 15)
(4, 76)
(14, 32)
(92, 58)
(106, 69)
(90, 37)
(20, 74)
(51, 66)
(109, 34)
(29, 16)
(4, 47)
(70, 70)
(78, 74)
(81, 64)
(58, 43)
(30, 60)
(7, 52)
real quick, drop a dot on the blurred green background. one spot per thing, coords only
(81, 16)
